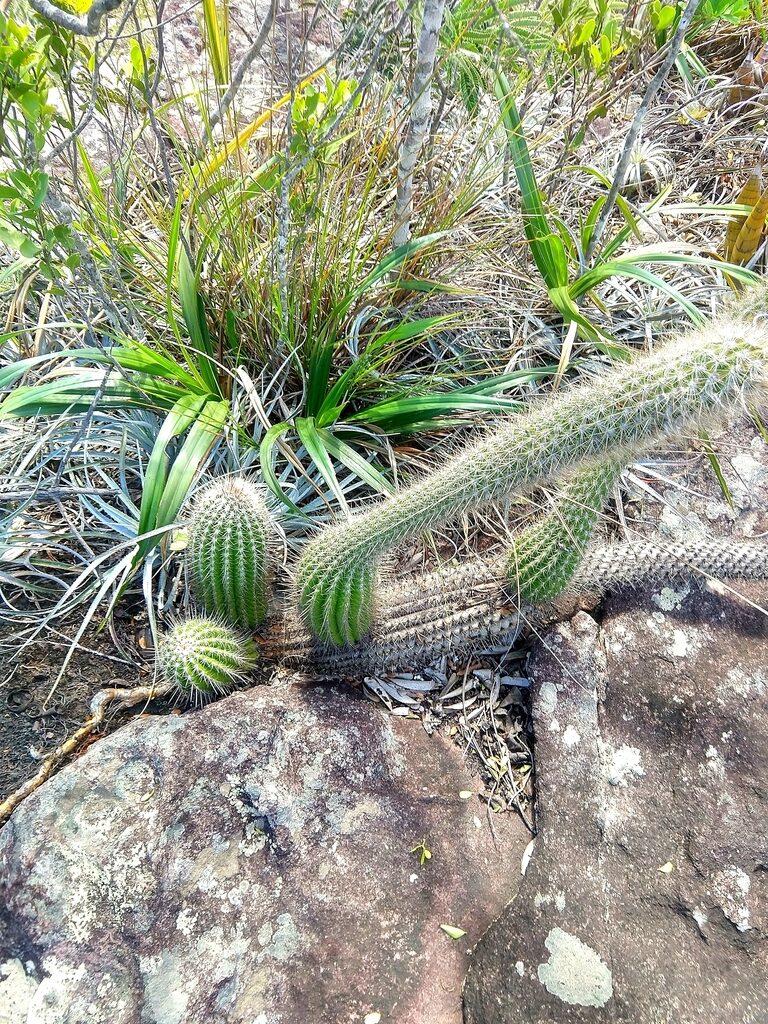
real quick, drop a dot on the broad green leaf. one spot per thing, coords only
(355, 462)
(545, 244)
(408, 415)
(202, 436)
(266, 448)
(179, 419)
(74, 392)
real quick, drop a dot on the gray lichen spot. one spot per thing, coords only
(548, 698)
(574, 972)
(669, 599)
(165, 997)
(285, 939)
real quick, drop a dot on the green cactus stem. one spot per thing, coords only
(457, 610)
(619, 413)
(230, 536)
(544, 557)
(204, 658)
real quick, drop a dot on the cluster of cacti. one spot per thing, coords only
(543, 558)
(469, 606)
(231, 535)
(203, 658)
(617, 414)
(343, 623)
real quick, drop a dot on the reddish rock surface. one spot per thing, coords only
(646, 898)
(251, 864)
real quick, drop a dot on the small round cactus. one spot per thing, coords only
(204, 658)
(230, 535)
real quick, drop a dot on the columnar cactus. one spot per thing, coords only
(631, 563)
(230, 536)
(460, 608)
(543, 558)
(203, 658)
(618, 413)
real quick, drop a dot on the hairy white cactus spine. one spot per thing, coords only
(616, 414)
(230, 537)
(459, 609)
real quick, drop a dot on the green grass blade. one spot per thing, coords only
(193, 311)
(75, 392)
(545, 243)
(202, 436)
(178, 420)
(379, 349)
(266, 450)
(714, 462)
(355, 462)
(216, 35)
(409, 415)
(313, 442)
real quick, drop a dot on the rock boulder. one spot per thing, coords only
(646, 898)
(252, 863)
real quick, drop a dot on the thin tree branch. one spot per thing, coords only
(421, 108)
(637, 122)
(87, 26)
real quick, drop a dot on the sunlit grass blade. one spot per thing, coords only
(75, 392)
(178, 420)
(216, 35)
(201, 171)
(202, 436)
(314, 443)
(266, 461)
(347, 456)
(545, 243)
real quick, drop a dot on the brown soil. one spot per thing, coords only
(36, 714)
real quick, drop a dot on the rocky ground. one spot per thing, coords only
(265, 859)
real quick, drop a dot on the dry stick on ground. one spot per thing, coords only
(114, 699)
(421, 107)
(637, 122)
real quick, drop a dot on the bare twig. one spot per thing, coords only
(113, 699)
(637, 122)
(421, 108)
(86, 26)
